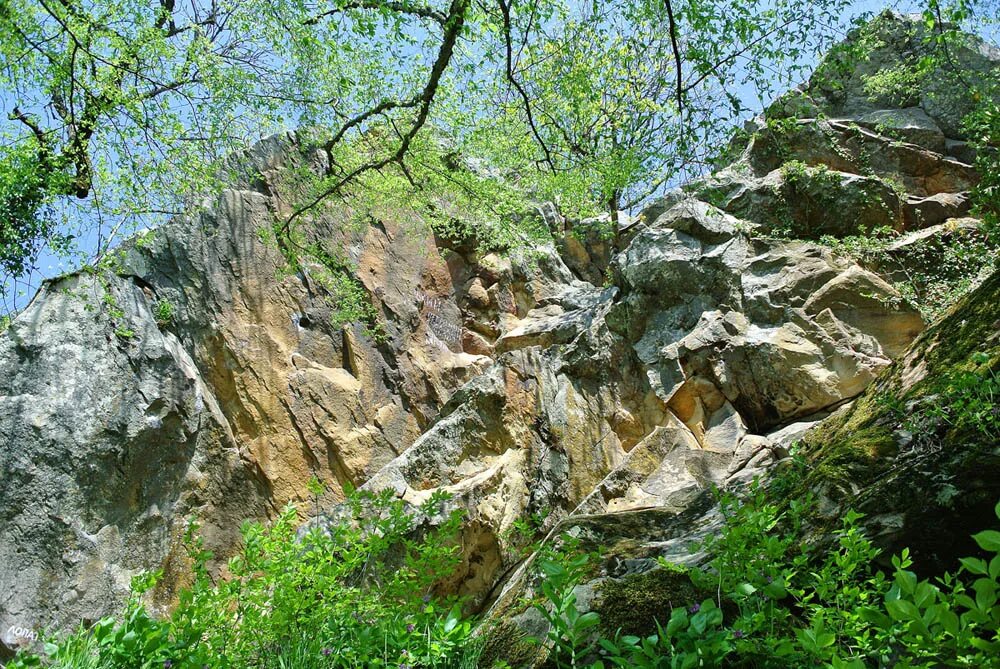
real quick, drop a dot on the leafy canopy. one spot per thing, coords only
(121, 112)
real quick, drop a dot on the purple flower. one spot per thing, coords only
(404, 666)
(405, 653)
(411, 627)
(326, 652)
(738, 634)
(695, 608)
(770, 579)
(167, 664)
(427, 598)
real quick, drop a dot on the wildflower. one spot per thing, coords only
(738, 634)
(167, 664)
(770, 579)
(326, 652)
(695, 608)
(411, 627)
(427, 598)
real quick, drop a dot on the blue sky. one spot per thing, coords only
(90, 233)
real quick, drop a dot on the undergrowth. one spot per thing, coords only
(358, 592)
(780, 603)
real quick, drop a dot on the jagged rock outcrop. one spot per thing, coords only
(919, 451)
(519, 385)
(116, 426)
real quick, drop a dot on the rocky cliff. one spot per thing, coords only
(524, 386)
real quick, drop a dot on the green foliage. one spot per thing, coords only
(781, 603)
(693, 637)
(631, 605)
(894, 85)
(355, 593)
(983, 126)
(932, 274)
(163, 312)
(570, 631)
(26, 220)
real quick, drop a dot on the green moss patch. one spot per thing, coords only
(633, 604)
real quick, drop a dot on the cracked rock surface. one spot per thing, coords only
(520, 385)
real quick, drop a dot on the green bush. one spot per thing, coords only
(780, 604)
(163, 312)
(356, 593)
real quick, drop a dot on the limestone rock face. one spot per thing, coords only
(597, 383)
(780, 330)
(117, 427)
(894, 45)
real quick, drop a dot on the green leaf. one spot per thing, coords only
(906, 580)
(974, 565)
(988, 540)
(984, 645)
(874, 616)
(949, 621)
(901, 609)
(825, 639)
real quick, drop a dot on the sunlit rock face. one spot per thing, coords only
(609, 382)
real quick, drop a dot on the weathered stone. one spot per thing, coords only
(846, 84)
(935, 209)
(520, 384)
(911, 124)
(781, 334)
(807, 202)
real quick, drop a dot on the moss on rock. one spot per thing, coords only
(634, 603)
(919, 451)
(507, 643)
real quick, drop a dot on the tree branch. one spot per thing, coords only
(526, 101)
(31, 123)
(398, 6)
(677, 54)
(384, 106)
(453, 26)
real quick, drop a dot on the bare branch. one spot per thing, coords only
(32, 124)
(677, 54)
(384, 106)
